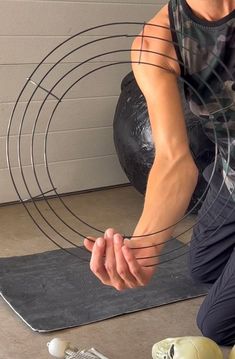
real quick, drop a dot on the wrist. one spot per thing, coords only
(145, 234)
(146, 253)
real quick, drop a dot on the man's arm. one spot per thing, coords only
(174, 175)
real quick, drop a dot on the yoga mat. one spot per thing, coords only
(55, 290)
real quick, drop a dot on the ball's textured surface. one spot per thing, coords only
(134, 143)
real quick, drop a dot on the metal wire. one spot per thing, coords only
(59, 100)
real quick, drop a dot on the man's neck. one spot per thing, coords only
(212, 10)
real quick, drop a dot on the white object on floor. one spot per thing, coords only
(187, 348)
(62, 350)
(57, 348)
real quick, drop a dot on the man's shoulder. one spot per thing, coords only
(160, 18)
(158, 32)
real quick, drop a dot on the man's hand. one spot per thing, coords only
(116, 264)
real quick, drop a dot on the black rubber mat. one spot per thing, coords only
(54, 290)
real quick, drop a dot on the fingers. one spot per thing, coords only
(114, 263)
(110, 262)
(89, 243)
(97, 261)
(134, 267)
(121, 264)
(103, 263)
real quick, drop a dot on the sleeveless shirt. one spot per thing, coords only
(206, 55)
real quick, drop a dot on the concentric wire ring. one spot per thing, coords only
(50, 92)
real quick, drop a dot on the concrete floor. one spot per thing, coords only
(125, 337)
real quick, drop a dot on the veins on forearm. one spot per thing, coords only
(167, 198)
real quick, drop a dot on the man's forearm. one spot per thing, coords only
(171, 184)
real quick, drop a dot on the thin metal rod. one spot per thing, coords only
(39, 195)
(142, 42)
(42, 88)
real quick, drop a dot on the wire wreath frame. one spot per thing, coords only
(51, 93)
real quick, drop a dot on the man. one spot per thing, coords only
(193, 39)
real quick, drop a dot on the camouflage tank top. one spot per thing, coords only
(206, 54)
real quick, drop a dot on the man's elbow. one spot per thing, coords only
(181, 163)
(184, 171)
(189, 165)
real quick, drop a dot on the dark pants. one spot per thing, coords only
(212, 260)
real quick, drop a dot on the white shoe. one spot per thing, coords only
(187, 348)
(232, 353)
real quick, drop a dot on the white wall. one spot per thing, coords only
(81, 153)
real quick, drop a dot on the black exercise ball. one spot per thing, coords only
(133, 139)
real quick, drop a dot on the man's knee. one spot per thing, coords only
(216, 330)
